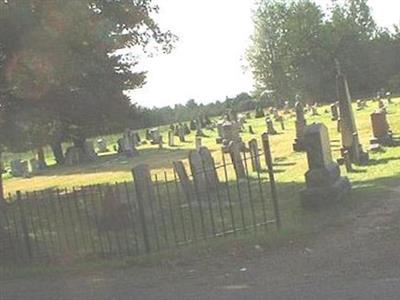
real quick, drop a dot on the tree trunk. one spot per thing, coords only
(58, 153)
(41, 158)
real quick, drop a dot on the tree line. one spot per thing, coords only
(296, 44)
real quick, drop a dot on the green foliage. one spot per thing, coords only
(295, 45)
(63, 59)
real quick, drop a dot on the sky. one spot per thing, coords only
(208, 62)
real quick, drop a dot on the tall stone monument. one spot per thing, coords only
(348, 130)
(324, 184)
(300, 124)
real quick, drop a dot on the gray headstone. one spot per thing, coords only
(209, 167)
(236, 157)
(254, 155)
(198, 142)
(323, 181)
(380, 128)
(196, 167)
(171, 139)
(185, 182)
(102, 146)
(19, 168)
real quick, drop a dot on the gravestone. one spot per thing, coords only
(380, 128)
(196, 167)
(102, 146)
(171, 138)
(89, 150)
(199, 130)
(127, 144)
(155, 136)
(34, 166)
(230, 132)
(334, 111)
(19, 168)
(186, 129)
(300, 124)
(209, 168)
(185, 182)
(220, 132)
(324, 185)
(198, 142)
(254, 155)
(270, 126)
(314, 110)
(181, 134)
(234, 149)
(348, 128)
(160, 142)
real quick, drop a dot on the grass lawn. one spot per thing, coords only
(290, 166)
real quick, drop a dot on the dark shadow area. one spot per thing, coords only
(375, 162)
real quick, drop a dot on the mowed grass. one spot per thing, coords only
(383, 170)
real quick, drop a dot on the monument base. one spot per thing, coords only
(386, 140)
(312, 198)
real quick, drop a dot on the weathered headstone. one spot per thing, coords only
(155, 136)
(89, 150)
(171, 138)
(334, 111)
(254, 155)
(380, 128)
(209, 168)
(324, 184)
(234, 149)
(270, 126)
(314, 110)
(34, 166)
(19, 168)
(348, 130)
(198, 142)
(185, 182)
(196, 167)
(160, 142)
(102, 146)
(181, 134)
(300, 124)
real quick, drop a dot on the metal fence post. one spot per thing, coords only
(24, 226)
(269, 163)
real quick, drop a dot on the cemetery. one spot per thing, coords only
(285, 171)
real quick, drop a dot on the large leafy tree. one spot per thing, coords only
(69, 62)
(295, 45)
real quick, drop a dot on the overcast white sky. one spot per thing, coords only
(206, 64)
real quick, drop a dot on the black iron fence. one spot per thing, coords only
(150, 214)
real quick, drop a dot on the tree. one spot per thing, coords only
(295, 45)
(64, 59)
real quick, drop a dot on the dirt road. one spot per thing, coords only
(356, 259)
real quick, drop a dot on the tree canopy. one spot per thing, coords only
(295, 45)
(63, 69)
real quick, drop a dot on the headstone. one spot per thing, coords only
(254, 155)
(270, 126)
(234, 149)
(89, 150)
(300, 124)
(160, 142)
(185, 182)
(382, 106)
(102, 146)
(324, 184)
(348, 130)
(380, 128)
(181, 134)
(19, 168)
(334, 111)
(171, 138)
(199, 130)
(192, 125)
(34, 166)
(209, 168)
(186, 129)
(196, 167)
(198, 142)
(155, 136)
(314, 110)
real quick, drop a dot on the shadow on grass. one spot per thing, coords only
(118, 162)
(375, 162)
